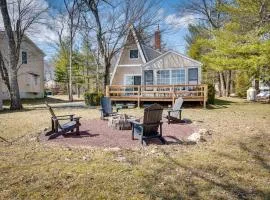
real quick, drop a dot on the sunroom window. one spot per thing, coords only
(163, 77)
(178, 76)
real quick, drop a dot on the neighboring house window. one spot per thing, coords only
(178, 76)
(193, 74)
(134, 54)
(24, 57)
(163, 77)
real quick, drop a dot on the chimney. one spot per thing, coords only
(158, 40)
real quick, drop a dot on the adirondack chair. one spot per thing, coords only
(106, 108)
(65, 128)
(174, 115)
(149, 127)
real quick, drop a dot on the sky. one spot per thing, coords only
(174, 26)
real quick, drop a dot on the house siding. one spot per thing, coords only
(30, 75)
(119, 77)
(125, 60)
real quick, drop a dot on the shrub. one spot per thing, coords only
(211, 94)
(92, 99)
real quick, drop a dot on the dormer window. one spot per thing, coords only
(134, 54)
(24, 57)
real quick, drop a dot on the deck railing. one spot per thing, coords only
(157, 92)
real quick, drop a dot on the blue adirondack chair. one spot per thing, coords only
(106, 109)
(151, 126)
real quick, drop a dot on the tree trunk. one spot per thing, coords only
(222, 84)
(228, 82)
(219, 85)
(15, 100)
(13, 59)
(107, 74)
(70, 96)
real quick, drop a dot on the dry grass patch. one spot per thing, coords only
(233, 163)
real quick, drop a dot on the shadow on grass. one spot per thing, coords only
(220, 104)
(172, 178)
(50, 99)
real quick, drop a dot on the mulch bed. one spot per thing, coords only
(96, 133)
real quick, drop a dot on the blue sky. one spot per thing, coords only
(176, 26)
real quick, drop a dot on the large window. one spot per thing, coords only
(134, 54)
(178, 76)
(175, 76)
(163, 77)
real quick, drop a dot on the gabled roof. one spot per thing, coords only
(2, 33)
(150, 53)
(173, 52)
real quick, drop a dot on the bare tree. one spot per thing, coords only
(112, 20)
(73, 10)
(25, 13)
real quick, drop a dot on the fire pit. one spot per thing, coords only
(121, 121)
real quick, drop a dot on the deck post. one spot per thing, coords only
(139, 96)
(107, 93)
(205, 95)
(173, 95)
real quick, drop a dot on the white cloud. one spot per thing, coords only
(180, 21)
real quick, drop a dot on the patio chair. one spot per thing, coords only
(64, 128)
(174, 115)
(149, 127)
(106, 108)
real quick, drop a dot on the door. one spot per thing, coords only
(193, 76)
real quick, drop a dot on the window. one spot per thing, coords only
(133, 54)
(193, 74)
(163, 77)
(24, 57)
(132, 80)
(178, 76)
(148, 77)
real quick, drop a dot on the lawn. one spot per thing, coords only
(234, 162)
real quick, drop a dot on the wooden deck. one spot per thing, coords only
(157, 93)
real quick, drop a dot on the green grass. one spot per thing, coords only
(233, 163)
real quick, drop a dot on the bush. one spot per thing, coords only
(211, 94)
(92, 99)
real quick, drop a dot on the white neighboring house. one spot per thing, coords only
(31, 71)
(1, 100)
(139, 64)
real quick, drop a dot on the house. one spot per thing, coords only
(31, 68)
(1, 99)
(154, 75)
(139, 64)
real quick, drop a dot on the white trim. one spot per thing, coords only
(130, 65)
(122, 49)
(138, 44)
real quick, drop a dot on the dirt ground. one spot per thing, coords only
(97, 133)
